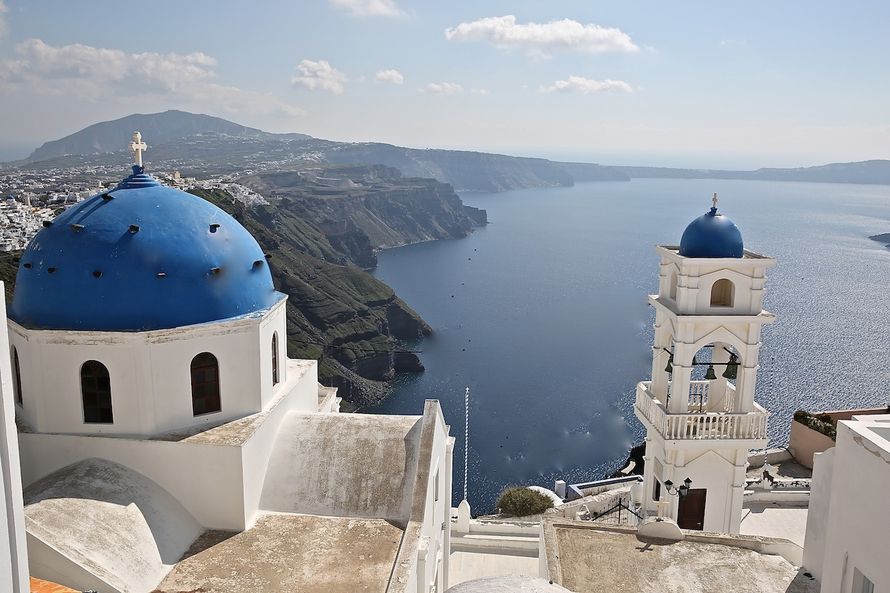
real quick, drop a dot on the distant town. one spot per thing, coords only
(32, 196)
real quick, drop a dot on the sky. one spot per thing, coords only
(683, 83)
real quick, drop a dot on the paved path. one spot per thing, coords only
(466, 566)
(771, 520)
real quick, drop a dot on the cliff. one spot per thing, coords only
(359, 209)
(320, 227)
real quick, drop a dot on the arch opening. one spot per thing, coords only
(205, 384)
(19, 398)
(95, 391)
(275, 377)
(723, 293)
(672, 286)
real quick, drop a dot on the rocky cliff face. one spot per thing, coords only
(320, 228)
(359, 209)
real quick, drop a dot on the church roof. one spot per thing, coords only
(141, 256)
(712, 235)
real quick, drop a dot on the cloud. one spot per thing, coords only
(361, 8)
(95, 73)
(319, 76)
(541, 40)
(3, 27)
(479, 91)
(586, 86)
(390, 76)
(442, 88)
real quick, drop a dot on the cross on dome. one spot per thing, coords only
(137, 146)
(714, 200)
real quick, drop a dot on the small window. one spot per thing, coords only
(18, 376)
(672, 287)
(722, 293)
(205, 384)
(656, 491)
(95, 389)
(275, 358)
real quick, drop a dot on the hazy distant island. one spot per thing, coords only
(882, 238)
(202, 144)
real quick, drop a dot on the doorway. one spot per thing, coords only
(691, 510)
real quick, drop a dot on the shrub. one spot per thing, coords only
(820, 423)
(522, 502)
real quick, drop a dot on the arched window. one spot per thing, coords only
(722, 293)
(18, 375)
(205, 384)
(275, 358)
(95, 389)
(672, 287)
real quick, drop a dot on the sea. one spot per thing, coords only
(543, 315)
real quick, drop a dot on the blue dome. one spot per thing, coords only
(142, 256)
(712, 235)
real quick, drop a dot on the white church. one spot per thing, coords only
(155, 438)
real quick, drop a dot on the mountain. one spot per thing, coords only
(160, 128)
(204, 145)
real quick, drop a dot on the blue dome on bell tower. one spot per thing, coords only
(141, 256)
(712, 235)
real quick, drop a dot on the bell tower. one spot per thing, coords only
(699, 411)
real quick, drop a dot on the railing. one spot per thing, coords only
(703, 425)
(698, 396)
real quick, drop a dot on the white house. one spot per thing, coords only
(699, 411)
(164, 432)
(848, 521)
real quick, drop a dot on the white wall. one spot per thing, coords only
(13, 546)
(817, 515)
(257, 451)
(855, 536)
(711, 468)
(187, 471)
(696, 276)
(150, 373)
(232, 472)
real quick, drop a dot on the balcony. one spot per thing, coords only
(705, 425)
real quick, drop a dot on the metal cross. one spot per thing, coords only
(714, 199)
(137, 146)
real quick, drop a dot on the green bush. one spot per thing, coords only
(522, 502)
(820, 423)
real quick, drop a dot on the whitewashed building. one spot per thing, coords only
(164, 432)
(699, 411)
(848, 522)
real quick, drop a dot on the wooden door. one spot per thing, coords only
(691, 512)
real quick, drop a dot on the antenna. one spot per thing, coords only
(466, 436)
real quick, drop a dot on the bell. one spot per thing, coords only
(709, 374)
(732, 368)
(670, 365)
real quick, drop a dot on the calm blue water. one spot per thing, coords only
(543, 315)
